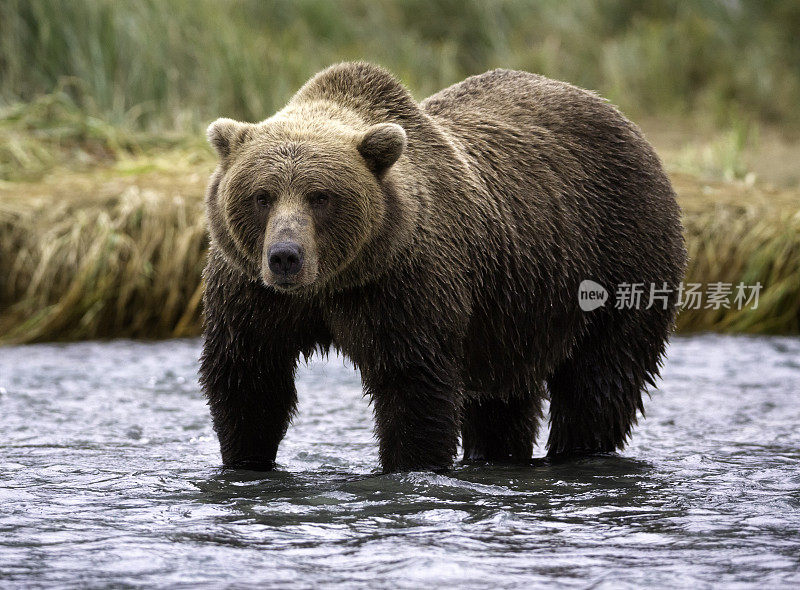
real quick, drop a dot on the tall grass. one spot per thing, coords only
(736, 233)
(90, 259)
(177, 64)
(53, 132)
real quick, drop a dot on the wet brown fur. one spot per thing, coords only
(449, 276)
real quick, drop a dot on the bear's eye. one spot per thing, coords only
(319, 199)
(262, 199)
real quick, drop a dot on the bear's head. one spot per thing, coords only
(297, 200)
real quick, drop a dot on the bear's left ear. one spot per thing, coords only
(225, 134)
(381, 145)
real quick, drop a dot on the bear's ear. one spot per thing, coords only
(225, 134)
(381, 145)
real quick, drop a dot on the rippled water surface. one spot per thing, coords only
(109, 475)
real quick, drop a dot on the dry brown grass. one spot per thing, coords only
(118, 252)
(86, 257)
(737, 232)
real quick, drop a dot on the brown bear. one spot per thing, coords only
(440, 246)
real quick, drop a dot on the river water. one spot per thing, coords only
(109, 476)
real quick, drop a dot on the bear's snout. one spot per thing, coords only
(285, 259)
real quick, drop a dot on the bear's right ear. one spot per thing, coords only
(381, 145)
(225, 134)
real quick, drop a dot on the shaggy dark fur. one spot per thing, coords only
(442, 246)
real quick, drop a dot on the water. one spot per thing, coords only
(109, 475)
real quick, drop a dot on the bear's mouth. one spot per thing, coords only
(286, 286)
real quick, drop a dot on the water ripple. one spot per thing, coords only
(109, 476)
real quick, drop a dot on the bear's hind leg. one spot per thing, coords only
(501, 430)
(595, 395)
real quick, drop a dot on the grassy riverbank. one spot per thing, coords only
(103, 165)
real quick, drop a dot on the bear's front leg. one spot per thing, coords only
(416, 412)
(251, 405)
(251, 342)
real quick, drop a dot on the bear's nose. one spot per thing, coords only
(285, 258)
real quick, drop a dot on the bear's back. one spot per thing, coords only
(510, 100)
(490, 89)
